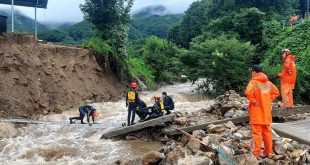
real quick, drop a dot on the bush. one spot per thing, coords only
(223, 62)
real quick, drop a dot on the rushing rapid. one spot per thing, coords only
(61, 143)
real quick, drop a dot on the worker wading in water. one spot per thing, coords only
(87, 110)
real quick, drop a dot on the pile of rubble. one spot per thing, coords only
(223, 144)
(229, 105)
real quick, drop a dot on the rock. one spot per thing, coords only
(153, 157)
(133, 162)
(225, 108)
(278, 157)
(280, 149)
(173, 157)
(246, 159)
(210, 155)
(199, 133)
(128, 137)
(246, 134)
(45, 112)
(206, 140)
(185, 139)
(269, 161)
(231, 126)
(181, 121)
(195, 160)
(7, 130)
(240, 113)
(229, 114)
(296, 154)
(237, 136)
(194, 145)
(204, 110)
(216, 128)
(227, 152)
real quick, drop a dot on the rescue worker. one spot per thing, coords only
(132, 100)
(288, 78)
(87, 110)
(260, 93)
(168, 103)
(156, 110)
(140, 110)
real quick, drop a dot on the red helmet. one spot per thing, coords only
(96, 114)
(157, 98)
(133, 85)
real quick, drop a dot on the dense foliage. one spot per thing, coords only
(110, 20)
(224, 62)
(295, 38)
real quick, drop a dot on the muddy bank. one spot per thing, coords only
(45, 79)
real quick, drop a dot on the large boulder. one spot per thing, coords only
(7, 130)
(194, 145)
(216, 128)
(152, 158)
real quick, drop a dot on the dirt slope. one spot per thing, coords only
(40, 78)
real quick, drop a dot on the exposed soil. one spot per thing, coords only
(39, 78)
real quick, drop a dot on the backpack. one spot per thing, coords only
(131, 96)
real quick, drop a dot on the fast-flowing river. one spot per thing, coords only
(61, 143)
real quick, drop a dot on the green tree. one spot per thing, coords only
(110, 19)
(160, 55)
(223, 62)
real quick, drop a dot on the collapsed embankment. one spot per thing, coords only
(39, 78)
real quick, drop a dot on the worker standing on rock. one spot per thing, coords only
(132, 101)
(87, 110)
(261, 92)
(167, 103)
(288, 78)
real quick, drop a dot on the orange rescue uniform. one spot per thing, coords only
(288, 81)
(261, 92)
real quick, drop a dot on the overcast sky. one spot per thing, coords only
(69, 11)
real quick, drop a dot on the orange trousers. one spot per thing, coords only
(287, 95)
(261, 133)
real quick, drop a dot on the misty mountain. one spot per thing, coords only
(22, 23)
(147, 11)
(152, 25)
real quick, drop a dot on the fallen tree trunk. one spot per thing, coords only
(150, 123)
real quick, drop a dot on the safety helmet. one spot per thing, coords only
(96, 114)
(157, 98)
(286, 50)
(133, 85)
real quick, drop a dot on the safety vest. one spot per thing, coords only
(162, 107)
(131, 96)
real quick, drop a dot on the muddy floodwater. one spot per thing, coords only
(58, 142)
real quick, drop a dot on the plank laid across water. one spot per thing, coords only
(298, 131)
(150, 123)
(275, 113)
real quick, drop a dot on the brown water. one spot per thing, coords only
(62, 143)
